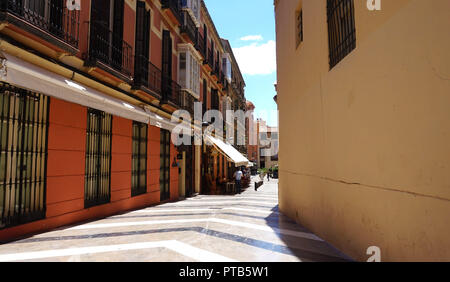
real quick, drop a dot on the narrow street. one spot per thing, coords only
(244, 228)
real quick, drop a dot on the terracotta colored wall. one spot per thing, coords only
(121, 159)
(66, 157)
(153, 160)
(66, 171)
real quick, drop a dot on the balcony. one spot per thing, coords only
(188, 27)
(171, 92)
(210, 59)
(200, 44)
(174, 8)
(46, 19)
(147, 77)
(187, 102)
(222, 79)
(109, 51)
(216, 71)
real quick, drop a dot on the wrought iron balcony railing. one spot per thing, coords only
(200, 44)
(110, 49)
(43, 18)
(187, 102)
(222, 78)
(216, 70)
(170, 91)
(174, 6)
(211, 58)
(147, 75)
(188, 26)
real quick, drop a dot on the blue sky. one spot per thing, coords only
(249, 25)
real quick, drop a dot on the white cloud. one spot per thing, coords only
(257, 58)
(252, 38)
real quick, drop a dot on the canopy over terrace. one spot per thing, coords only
(228, 151)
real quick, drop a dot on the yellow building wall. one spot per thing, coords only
(365, 147)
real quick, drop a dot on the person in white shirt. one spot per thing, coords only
(238, 176)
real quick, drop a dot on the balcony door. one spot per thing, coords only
(107, 18)
(166, 64)
(142, 43)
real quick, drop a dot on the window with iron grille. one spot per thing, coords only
(97, 190)
(299, 27)
(139, 159)
(23, 155)
(205, 98)
(164, 174)
(341, 29)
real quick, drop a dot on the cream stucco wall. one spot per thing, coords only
(365, 147)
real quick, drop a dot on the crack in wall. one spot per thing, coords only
(390, 189)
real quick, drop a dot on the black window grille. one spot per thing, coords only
(139, 159)
(299, 26)
(164, 175)
(205, 98)
(97, 188)
(341, 29)
(51, 16)
(223, 167)
(23, 155)
(107, 43)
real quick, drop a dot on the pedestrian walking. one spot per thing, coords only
(238, 176)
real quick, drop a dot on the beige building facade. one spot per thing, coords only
(365, 129)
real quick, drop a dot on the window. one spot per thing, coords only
(23, 155)
(299, 27)
(205, 97)
(226, 66)
(164, 174)
(189, 69)
(106, 40)
(97, 190)
(194, 6)
(341, 29)
(142, 45)
(139, 159)
(166, 69)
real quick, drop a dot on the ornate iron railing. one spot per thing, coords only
(174, 6)
(109, 48)
(200, 44)
(170, 91)
(148, 75)
(187, 102)
(188, 26)
(51, 16)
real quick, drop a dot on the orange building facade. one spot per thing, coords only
(87, 96)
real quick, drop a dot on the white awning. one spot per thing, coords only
(228, 151)
(34, 78)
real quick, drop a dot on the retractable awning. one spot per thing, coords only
(228, 151)
(23, 74)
